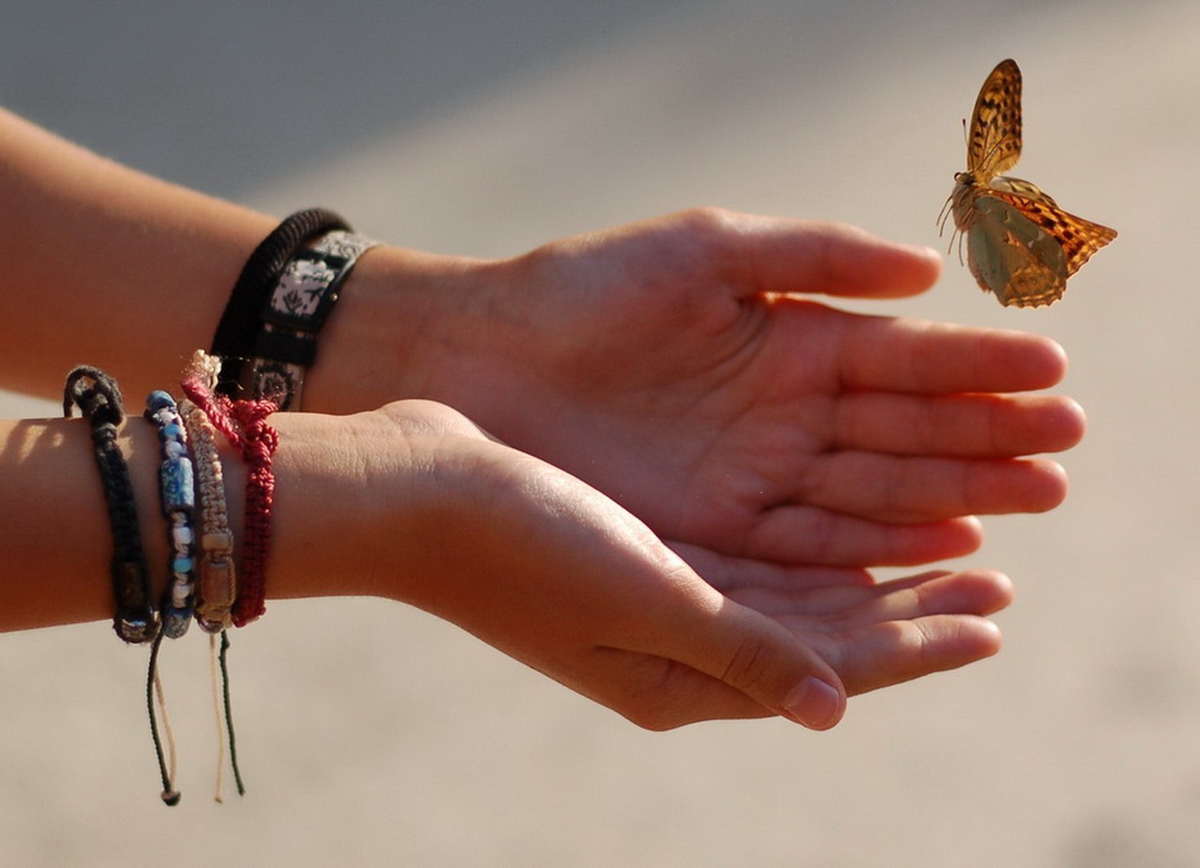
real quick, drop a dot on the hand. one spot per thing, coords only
(675, 366)
(557, 575)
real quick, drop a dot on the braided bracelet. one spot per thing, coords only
(216, 577)
(245, 426)
(99, 399)
(178, 495)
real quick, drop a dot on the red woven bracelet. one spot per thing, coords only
(245, 426)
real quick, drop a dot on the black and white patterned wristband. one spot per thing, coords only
(293, 314)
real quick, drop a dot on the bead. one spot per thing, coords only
(220, 542)
(180, 594)
(129, 583)
(178, 491)
(136, 630)
(176, 621)
(158, 399)
(182, 536)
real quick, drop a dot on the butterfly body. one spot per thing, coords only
(1020, 244)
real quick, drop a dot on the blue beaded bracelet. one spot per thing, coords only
(178, 506)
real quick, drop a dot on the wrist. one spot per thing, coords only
(412, 325)
(350, 496)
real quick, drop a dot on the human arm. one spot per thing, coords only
(517, 552)
(651, 360)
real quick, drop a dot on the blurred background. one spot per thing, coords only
(373, 734)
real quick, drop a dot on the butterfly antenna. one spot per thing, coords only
(944, 215)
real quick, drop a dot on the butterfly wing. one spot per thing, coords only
(994, 145)
(1013, 257)
(1079, 238)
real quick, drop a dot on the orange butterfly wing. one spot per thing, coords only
(1079, 238)
(995, 140)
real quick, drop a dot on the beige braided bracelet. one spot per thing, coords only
(216, 578)
(216, 582)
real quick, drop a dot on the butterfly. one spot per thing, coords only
(1020, 244)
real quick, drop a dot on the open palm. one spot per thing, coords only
(675, 366)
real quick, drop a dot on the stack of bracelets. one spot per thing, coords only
(265, 342)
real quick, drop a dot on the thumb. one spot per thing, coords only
(758, 657)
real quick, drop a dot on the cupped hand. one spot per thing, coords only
(559, 576)
(682, 366)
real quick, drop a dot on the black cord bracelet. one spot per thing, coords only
(99, 399)
(241, 321)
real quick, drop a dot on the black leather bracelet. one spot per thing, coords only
(241, 320)
(99, 399)
(293, 314)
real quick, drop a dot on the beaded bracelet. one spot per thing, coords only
(99, 399)
(245, 426)
(178, 495)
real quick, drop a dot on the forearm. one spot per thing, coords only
(105, 264)
(131, 273)
(331, 535)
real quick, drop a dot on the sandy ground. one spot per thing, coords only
(372, 734)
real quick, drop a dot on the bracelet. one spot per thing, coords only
(244, 424)
(99, 399)
(304, 294)
(239, 324)
(216, 576)
(178, 496)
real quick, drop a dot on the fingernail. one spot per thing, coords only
(815, 704)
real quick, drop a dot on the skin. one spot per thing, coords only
(667, 471)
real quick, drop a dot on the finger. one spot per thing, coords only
(730, 574)
(973, 592)
(891, 652)
(957, 425)
(658, 693)
(885, 354)
(744, 651)
(785, 256)
(838, 608)
(760, 658)
(891, 489)
(792, 534)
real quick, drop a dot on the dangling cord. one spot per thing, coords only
(220, 689)
(233, 761)
(154, 687)
(216, 697)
